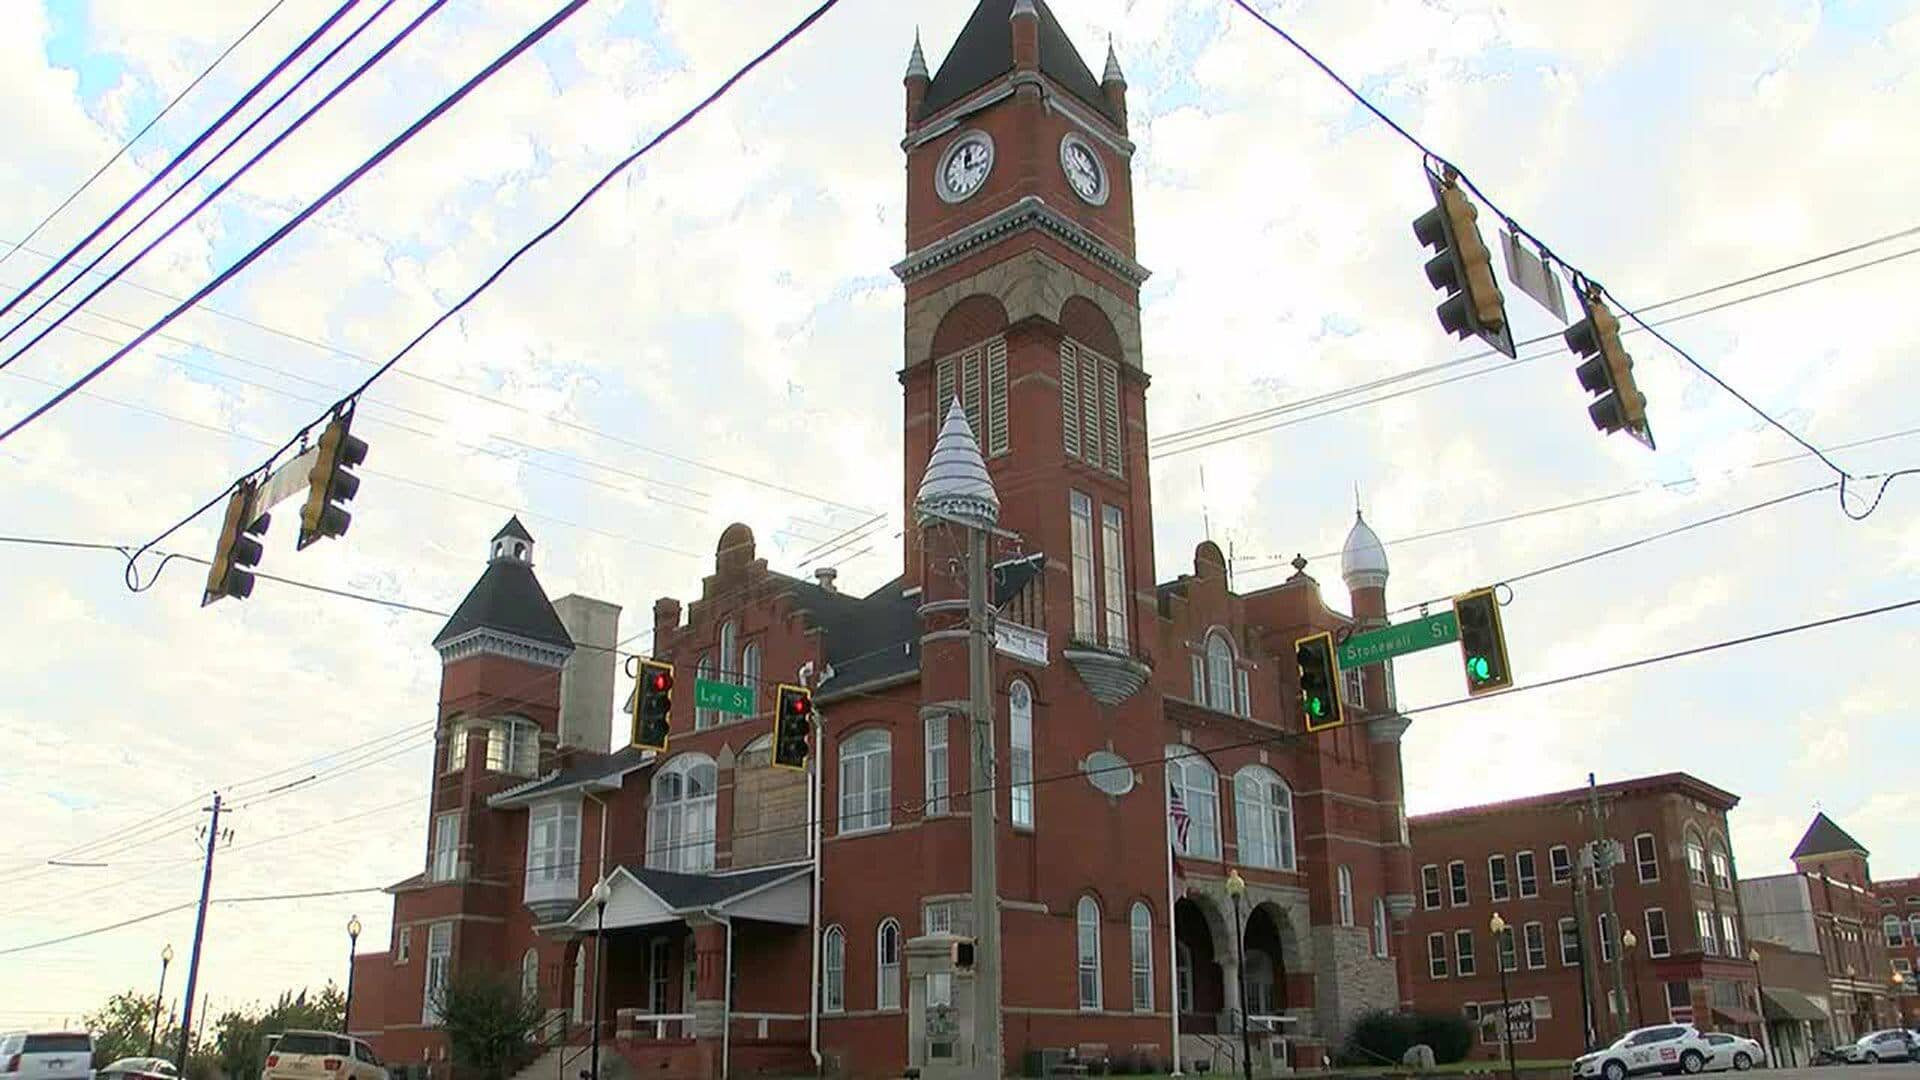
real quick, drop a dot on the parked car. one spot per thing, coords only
(1666, 1048)
(139, 1068)
(47, 1055)
(1890, 1044)
(1733, 1052)
(322, 1055)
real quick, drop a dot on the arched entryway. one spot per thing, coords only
(1199, 988)
(1264, 975)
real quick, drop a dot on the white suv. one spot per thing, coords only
(322, 1055)
(1667, 1048)
(46, 1055)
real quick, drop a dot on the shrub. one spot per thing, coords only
(1379, 1037)
(1449, 1034)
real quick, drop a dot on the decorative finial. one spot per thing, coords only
(1356, 500)
(1299, 563)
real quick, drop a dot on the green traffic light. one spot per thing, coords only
(1478, 667)
(1317, 706)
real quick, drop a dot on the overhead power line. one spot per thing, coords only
(138, 135)
(151, 915)
(1549, 255)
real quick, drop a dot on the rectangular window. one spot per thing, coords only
(1646, 855)
(1560, 864)
(1437, 956)
(1463, 952)
(513, 747)
(1569, 942)
(937, 764)
(1353, 689)
(1536, 937)
(1722, 872)
(456, 749)
(1457, 878)
(1696, 863)
(1110, 414)
(1240, 694)
(1679, 1002)
(1608, 938)
(996, 435)
(866, 783)
(1113, 550)
(1730, 934)
(1199, 667)
(1703, 920)
(1497, 877)
(1081, 508)
(1430, 887)
(403, 945)
(553, 851)
(1505, 951)
(443, 864)
(439, 961)
(938, 918)
(1658, 944)
(1070, 398)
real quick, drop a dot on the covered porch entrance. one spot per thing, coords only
(705, 975)
(1222, 985)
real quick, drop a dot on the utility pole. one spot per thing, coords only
(1590, 1020)
(199, 935)
(1603, 862)
(986, 870)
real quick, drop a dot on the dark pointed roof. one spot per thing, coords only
(507, 598)
(514, 530)
(1825, 838)
(984, 52)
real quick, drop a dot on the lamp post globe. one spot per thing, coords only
(353, 942)
(153, 1033)
(1237, 888)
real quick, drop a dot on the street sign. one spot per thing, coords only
(1398, 640)
(723, 697)
(1531, 275)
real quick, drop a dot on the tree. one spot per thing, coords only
(488, 1023)
(123, 1027)
(241, 1036)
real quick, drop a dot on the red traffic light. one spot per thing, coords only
(660, 681)
(800, 705)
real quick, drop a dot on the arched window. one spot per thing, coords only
(1379, 927)
(750, 668)
(1345, 883)
(1140, 939)
(1890, 926)
(1219, 671)
(704, 718)
(1193, 800)
(729, 647)
(1263, 814)
(866, 780)
(1020, 761)
(1721, 861)
(1913, 927)
(530, 976)
(680, 823)
(580, 983)
(833, 971)
(1256, 981)
(886, 996)
(1696, 856)
(1087, 922)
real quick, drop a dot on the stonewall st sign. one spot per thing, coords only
(1408, 637)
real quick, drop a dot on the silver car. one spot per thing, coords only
(1891, 1044)
(1735, 1052)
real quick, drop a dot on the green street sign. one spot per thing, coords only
(1398, 640)
(727, 697)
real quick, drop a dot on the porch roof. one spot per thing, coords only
(638, 896)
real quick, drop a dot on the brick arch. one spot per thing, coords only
(1028, 285)
(1083, 321)
(968, 322)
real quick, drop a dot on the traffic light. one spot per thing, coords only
(653, 705)
(1483, 645)
(1607, 370)
(1319, 688)
(792, 725)
(1463, 268)
(329, 482)
(237, 552)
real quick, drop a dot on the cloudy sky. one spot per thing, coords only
(715, 338)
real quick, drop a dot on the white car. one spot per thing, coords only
(1733, 1052)
(1893, 1044)
(1667, 1048)
(47, 1055)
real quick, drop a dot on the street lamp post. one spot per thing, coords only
(353, 943)
(1236, 888)
(153, 1033)
(1499, 927)
(1760, 991)
(600, 893)
(1629, 942)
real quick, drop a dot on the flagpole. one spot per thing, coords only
(1173, 943)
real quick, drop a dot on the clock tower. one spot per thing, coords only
(1023, 301)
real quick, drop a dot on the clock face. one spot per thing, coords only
(965, 165)
(1084, 171)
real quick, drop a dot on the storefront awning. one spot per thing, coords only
(641, 897)
(1780, 1003)
(1736, 1016)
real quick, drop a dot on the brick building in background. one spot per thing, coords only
(1675, 891)
(746, 934)
(1900, 926)
(1829, 905)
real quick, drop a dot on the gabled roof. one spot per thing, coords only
(1825, 838)
(984, 52)
(513, 530)
(507, 598)
(595, 772)
(691, 892)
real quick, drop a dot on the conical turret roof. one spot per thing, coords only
(956, 484)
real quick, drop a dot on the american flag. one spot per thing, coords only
(1177, 809)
